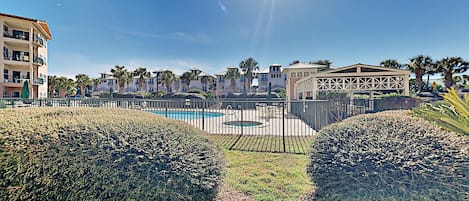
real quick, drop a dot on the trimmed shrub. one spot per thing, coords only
(389, 156)
(104, 154)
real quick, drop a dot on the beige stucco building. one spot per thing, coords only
(24, 45)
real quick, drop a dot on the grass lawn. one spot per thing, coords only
(254, 170)
(268, 176)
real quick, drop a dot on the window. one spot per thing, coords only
(293, 74)
(16, 94)
(151, 81)
(5, 53)
(306, 74)
(300, 74)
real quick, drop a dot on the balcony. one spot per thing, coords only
(17, 35)
(38, 81)
(15, 82)
(39, 40)
(40, 61)
(20, 56)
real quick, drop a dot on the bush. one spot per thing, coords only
(389, 156)
(103, 154)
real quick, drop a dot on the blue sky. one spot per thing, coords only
(91, 36)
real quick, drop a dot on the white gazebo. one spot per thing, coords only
(352, 79)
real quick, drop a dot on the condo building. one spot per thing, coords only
(24, 44)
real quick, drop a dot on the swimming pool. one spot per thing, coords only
(181, 115)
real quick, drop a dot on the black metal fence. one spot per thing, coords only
(254, 125)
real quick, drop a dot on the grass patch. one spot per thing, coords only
(298, 145)
(268, 176)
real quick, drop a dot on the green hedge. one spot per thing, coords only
(389, 156)
(104, 154)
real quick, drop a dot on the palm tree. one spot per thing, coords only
(127, 78)
(232, 74)
(324, 62)
(295, 62)
(248, 66)
(187, 77)
(449, 66)
(65, 86)
(120, 73)
(419, 65)
(167, 77)
(52, 82)
(83, 81)
(205, 80)
(96, 82)
(391, 63)
(142, 75)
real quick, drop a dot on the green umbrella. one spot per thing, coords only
(25, 90)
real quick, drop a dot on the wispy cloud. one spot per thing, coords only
(70, 65)
(189, 37)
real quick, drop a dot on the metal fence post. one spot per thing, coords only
(203, 118)
(283, 128)
(242, 120)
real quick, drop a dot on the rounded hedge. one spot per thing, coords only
(389, 156)
(104, 154)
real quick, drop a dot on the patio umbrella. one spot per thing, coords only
(25, 90)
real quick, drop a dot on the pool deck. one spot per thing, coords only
(271, 123)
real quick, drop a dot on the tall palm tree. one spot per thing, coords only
(324, 62)
(391, 63)
(65, 86)
(187, 77)
(419, 66)
(127, 78)
(232, 74)
(167, 77)
(205, 80)
(52, 82)
(121, 74)
(142, 75)
(449, 66)
(83, 81)
(295, 62)
(248, 66)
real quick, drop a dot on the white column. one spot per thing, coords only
(406, 85)
(314, 91)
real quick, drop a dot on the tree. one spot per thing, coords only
(142, 75)
(324, 62)
(187, 77)
(419, 66)
(96, 82)
(52, 82)
(83, 81)
(232, 74)
(205, 80)
(449, 66)
(295, 62)
(65, 86)
(248, 66)
(167, 77)
(391, 63)
(121, 74)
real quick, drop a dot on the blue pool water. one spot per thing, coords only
(180, 115)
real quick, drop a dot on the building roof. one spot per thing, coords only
(302, 66)
(267, 70)
(40, 23)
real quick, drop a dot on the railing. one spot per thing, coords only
(39, 40)
(16, 57)
(17, 36)
(15, 80)
(38, 81)
(40, 61)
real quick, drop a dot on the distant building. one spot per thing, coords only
(272, 75)
(24, 44)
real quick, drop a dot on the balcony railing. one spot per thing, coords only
(18, 35)
(16, 57)
(40, 61)
(38, 81)
(39, 40)
(16, 80)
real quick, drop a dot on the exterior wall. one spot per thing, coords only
(27, 66)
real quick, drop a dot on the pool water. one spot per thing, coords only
(243, 123)
(181, 115)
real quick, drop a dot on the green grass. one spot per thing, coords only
(253, 170)
(268, 176)
(298, 145)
